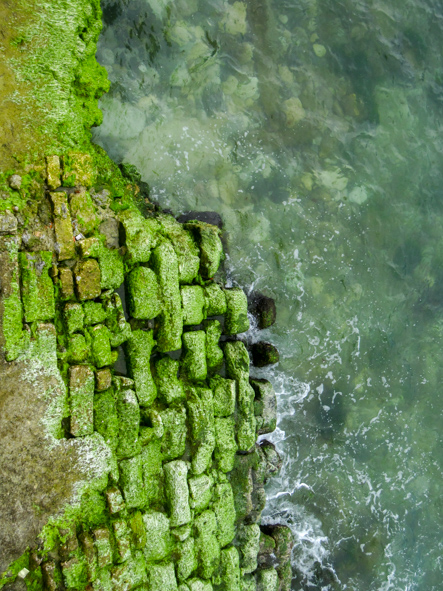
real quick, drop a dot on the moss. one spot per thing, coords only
(226, 445)
(223, 507)
(162, 577)
(73, 316)
(94, 313)
(131, 477)
(78, 349)
(139, 348)
(81, 395)
(78, 170)
(75, 574)
(211, 249)
(139, 239)
(215, 300)
(105, 417)
(100, 345)
(151, 457)
(129, 575)
(236, 320)
(267, 579)
(83, 213)
(129, 421)
(159, 544)
(249, 544)
(174, 438)
(37, 287)
(143, 293)
(87, 279)
(237, 360)
(102, 544)
(111, 268)
(65, 246)
(184, 246)
(169, 387)
(123, 539)
(193, 303)
(66, 283)
(14, 568)
(177, 494)
(214, 355)
(194, 359)
(103, 379)
(186, 562)
(230, 569)
(224, 396)
(53, 172)
(207, 546)
(114, 499)
(201, 421)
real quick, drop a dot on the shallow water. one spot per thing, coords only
(314, 128)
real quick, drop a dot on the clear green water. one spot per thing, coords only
(314, 128)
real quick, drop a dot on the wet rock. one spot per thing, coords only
(143, 293)
(264, 354)
(37, 287)
(201, 420)
(153, 475)
(224, 509)
(267, 580)
(224, 396)
(84, 216)
(102, 544)
(214, 354)
(139, 347)
(78, 170)
(15, 182)
(236, 320)
(186, 560)
(110, 230)
(122, 539)
(174, 438)
(131, 478)
(8, 223)
(73, 317)
(94, 313)
(114, 499)
(230, 569)
(105, 417)
(194, 360)
(226, 445)
(263, 308)
(215, 300)
(128, 413)
(169, 387)
(184, 245)
(265, 406)
(207, 546)
(249, 544)
(100, 345)
(193, 303)
(211, 249)
(159, 539)
(208, 217)
(138, 237)
(66, 283)
(162, 577)
(200, 488)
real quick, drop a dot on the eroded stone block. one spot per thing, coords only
(159, 541)
(214, 354)
(211, 249)
(37, 287)
(128, 413)
(65, 246)
(177, 492)
(226, 445)
(224, 392)
(73, 316)
(207, 546)
(193, 303)
(81, 393)
(194, 360)
(139, 347)
(215, 300)
(236, 319)
(131, 478)
(53, 172)
(87, 279)
(201, 489)
(143, 293)
(169, 387)
(223, 507)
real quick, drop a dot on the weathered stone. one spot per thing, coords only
(78, 349)
(83, 214)
(138, 236)
(193, 303)
(123, 539)
(129, 421)
(138, 348)
(159, 544)
(153, 477)
(195, 584)
(194, 360)
(226, 445)
(177, 492)
(130, 574)
(169, 387)
(103, 582)
(143, 293)
(15, 182)
(215, 300)
(264, 354)
(206, 544)
(214, 355)
(265, 406)
(246, 422)
(236, 320)
(131, 478)
(263, 308)
(65, 246)
(267, 580)
(161, 577)
(81, 392)
(109, 229)
(53, 172)
(8, 223)
(230, 569)
(284, 542)
(73, 316)
(187, 252)
(137, 526)
(87, 546)
(100, 345)
(165, 264)
(224, 392)
(248, 583)
(211, 249)
(223, 507)
(186, 560)
(174, 438)
(52, 578)
(78, 170)
(111, 268)
(87, 279)
(116, 321)
(249, 545)
(201, 419)
(201, 489)
(102, 543)
(66, 283)
(103, 379)
(37, 287)
(88, 247)
(182, 532)
(242, 485)
(94, 313)
(237, 360)
(105, 417)
(114, 499)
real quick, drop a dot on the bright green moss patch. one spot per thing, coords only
(139, 348)
(143, 293)
(193, 303)
(194, 361)
(169, 387)
(236, 320)
(215, 300)
(37, 287)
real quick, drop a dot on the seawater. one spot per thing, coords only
(314, 127)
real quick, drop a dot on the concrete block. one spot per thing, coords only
(169, 387)
(226, 445)
(87, 279)
(215, 300)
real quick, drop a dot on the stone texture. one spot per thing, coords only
(193, 303)
(207, 546)
(53, 172)
(78, 170)
(224, 396)
(201, 421)
(139, 347)
(81, 394)
(100, 345)
(159, 540)
(65, 246)
(264, 354)
(194, 359)
(224, 509)
(128, 413)
(211, 249)
(87, 279)
(139, 238)
(131, 479)
(66, 283)
(226, 445)
(215, 300)
(201, 489)
(73, 316)
(169, 387)
(143, 293)
(265, 406)
(184, 246)
(162, 577)
(83, 214)
(8, 223)
(236, 320)
(37, 287)
(177, 492)
(214, 354)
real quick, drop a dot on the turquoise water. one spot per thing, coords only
(314, 128)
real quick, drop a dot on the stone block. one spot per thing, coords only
(109, 229)
(249, 545)
(226, 445)
(153, 476)
(264, 354)
(206, 543)
(246, 422)
(248, 583)
(159, 540)
(129, 575)
(194, 359)
(138, 348)
(87, 546)
(53, 172)
(237, 360)
(103, 379)
(87, 279)
(169, 387)
(175, 429)
(224, 509)
(195, 584)
(224, 392)
(78, 349)
(78, 170)
(122, 539)
(81, 394)
(214, 355)
(177, 494)
(193, 303)
(8, 223)
(137, 526)
(116, 321)
(243, 485)
(265, 406)
(65, 245)
(51, 575)
(138, 236)
(73, 316)
(66, 283)
(105, 417)
(267, 580)
(201, 489)
(131, 479)
(188, 254)
(161, 577)
(186, 560)
(128, 413)
(83, 214)
(88, 247)
(74, 573)
(164, 263)
(236, 319)
(211, 249)
(230, 569)
(114, 499)
(215, 300)
(37, 287)
(100, 345)
(143, 293)
(201, 420)
(111, 268)
(102, 543)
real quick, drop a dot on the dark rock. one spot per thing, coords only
(263, 309)
(264, 354)
(209, 217)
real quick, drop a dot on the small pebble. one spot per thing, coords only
(15, 182)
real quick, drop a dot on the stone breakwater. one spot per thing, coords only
(154, 379)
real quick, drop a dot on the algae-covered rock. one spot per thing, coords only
(153, 476)
(87, 279)
(265, 406)
(66, 283)
(94, 313)
(159, 540)
(111, 268)
(194, 361)
(211, 248)
(139, 347)
(130, 574)
(128, 413)
(169, 387)
(161, 577)
(215, 300)
(177, 493)
(264, 354)
(73, 316)
(267, 579)
(81, 394)
(114, 499)
(230, 569)
(53, 172)
(137, 526)
(214, 354)
(175, 429)
(206, 543)
(143, 293)
(131, 476)
(224, 396)
(83, 213)
(102, 544)
(201, 419)
(8, 223)
(139, 238)
(37, 287)
(78, 170)
(237, 360)
(201, 489)
(103, 379)
(193, 303)
(184, 246)
(65, 246)
(187, 560)
(100, 345)
(249, 544)
(105, 417)
(122, 539)
(236, 320)
(226, 445)
(224, 509)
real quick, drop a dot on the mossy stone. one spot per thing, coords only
(194, 360)
(139, 237)
(196, 584)
(224, 509)
(230, 569)
(143, 293)
(241, 479)
(131, 478)
(224, 392)
(214, 354)
(139, 347)
(248, 583)
(201, 489)
(193, 303)
(159, 540)
(265, 406)
(88, 247)
(123, 539)
(87, 279)
(100, 345)
(237, 360)
(114, 499)
(53, 172)
(161, 577)
(78, 349)
(37, 287)
(201, 420)
(169, 386)
(74, 574)
(83, 212)
(249, 545)
(264, 354)
(226, 445)
(236, 319)
(211, 248)
(177, 493)
(165, 264)
(186, 562)
(111, 268)
(65, 246)
(105, 417)
(128, 413)
(175, 429)
(215, 300)
(81, 394)
(87, 546)
(66, 283)
(130, 574)
(137, 526)
(153, 476)
(73, 316)
(185, 248)
(207, 546)
(102, 543)
(103, 379)
(267, 579)
(78, 170)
